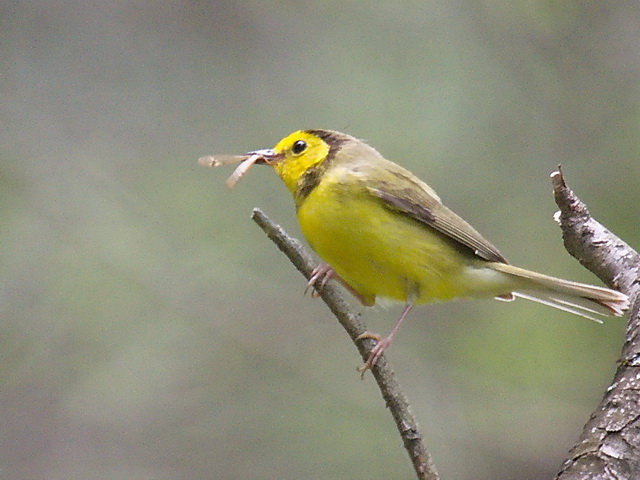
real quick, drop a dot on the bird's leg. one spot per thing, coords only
(382, 343)
(322, 274)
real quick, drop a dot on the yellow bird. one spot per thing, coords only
(384, 233)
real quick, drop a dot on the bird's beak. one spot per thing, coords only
(267, 156)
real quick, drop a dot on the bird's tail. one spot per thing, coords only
(585, 300)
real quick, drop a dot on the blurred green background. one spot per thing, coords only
(149, 330)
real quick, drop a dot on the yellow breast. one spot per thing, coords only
(377, 251)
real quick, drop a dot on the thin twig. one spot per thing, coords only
(388, 385)
(609, 447)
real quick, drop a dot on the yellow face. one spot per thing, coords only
(295, 154)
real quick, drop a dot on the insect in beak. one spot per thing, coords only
(262, 157)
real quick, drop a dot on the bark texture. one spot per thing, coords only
(609, 447)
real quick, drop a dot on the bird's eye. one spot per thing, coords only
(299, 147)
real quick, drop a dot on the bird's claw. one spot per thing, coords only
(376, 351)
(322, 273)
(371, 335)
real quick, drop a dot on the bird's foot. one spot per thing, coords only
(319, 278)
(381, 343)
(323, 273)
(376, 351)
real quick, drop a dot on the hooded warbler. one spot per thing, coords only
(384, 233)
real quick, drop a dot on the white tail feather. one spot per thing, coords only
(578, 298)
(564, 306)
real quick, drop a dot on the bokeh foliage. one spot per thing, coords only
(150, 331)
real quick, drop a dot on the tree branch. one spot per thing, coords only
(388, 385)
(609, 447)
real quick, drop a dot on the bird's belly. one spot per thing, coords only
(380, 252)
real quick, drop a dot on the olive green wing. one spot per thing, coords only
(404, 193)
